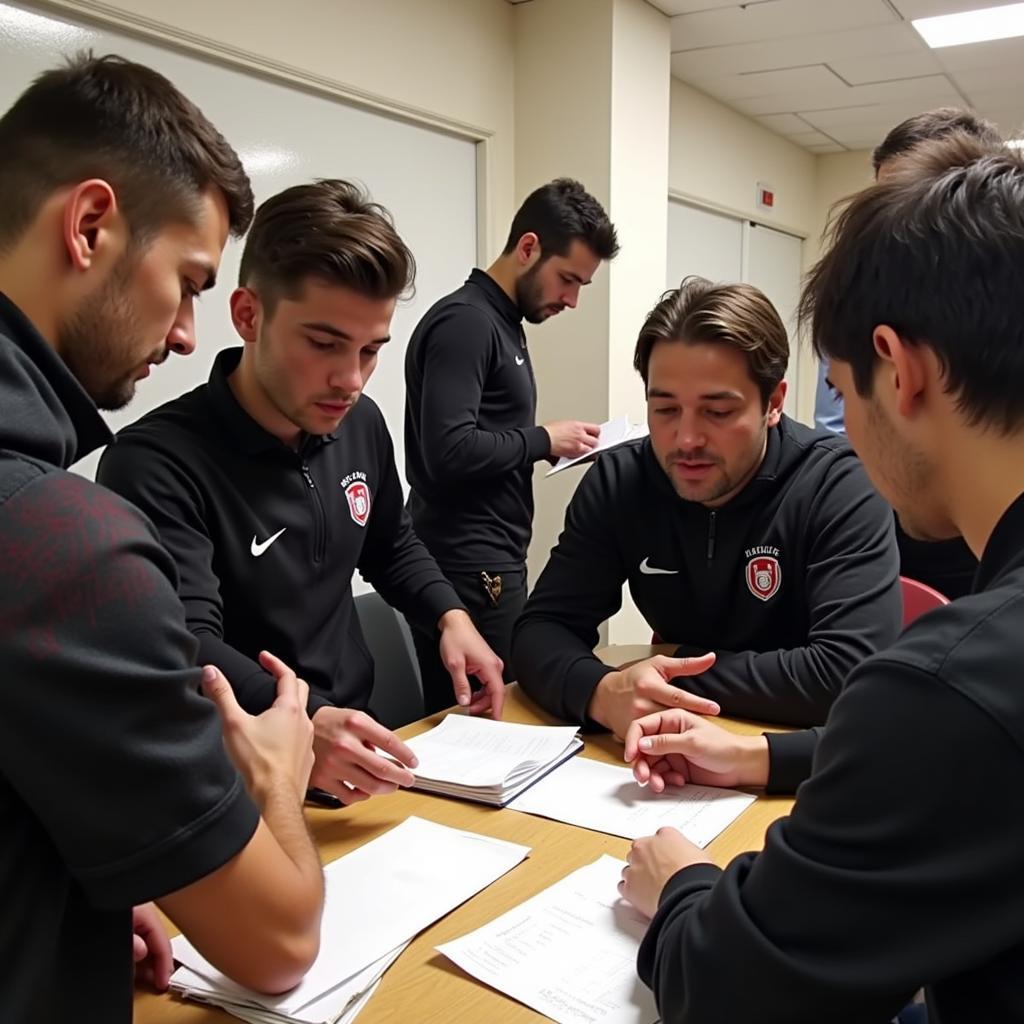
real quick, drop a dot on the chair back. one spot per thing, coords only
(918, 598)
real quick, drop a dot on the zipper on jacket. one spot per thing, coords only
(711, 537)
(319, 517)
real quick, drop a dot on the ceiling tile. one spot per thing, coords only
(785, 124)
(911, 9)
(776, 20)
(884, 67)
(672, 7)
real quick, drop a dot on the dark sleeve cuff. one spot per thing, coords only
(689, 878)
(538, 443)
(790, 757)
(580, 683)
(432, 602)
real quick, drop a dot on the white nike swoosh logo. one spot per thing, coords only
(258, 549)
(650, 570)
(520, 360)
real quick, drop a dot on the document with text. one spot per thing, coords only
(606, 798)
(487, 761)
(569, 952)
(613, 433)
(378, 897)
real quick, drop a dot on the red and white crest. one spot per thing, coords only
(764, 576)
(358, 495)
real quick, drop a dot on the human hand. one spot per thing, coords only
(671, 748)
(151, 948)
(627, 694)
(570, 438)
(347, 764)
(271, 747)
(651, 862)
(464, 652)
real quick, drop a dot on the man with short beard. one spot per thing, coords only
(471, 437)
(739, 531)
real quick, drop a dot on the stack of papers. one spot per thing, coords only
(613, 433)
(568, 952)
(606, 798)
(491, 762)
(377, 898)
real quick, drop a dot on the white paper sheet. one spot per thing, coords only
(606, 798)
(338, 1006)
(568, 952)
(613, 433)
(481, 752)
(380, 895)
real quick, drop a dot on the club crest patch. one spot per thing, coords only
(764, 576)
(358, 495)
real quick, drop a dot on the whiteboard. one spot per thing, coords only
(285, 136)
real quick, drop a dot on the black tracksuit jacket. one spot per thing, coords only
(791, 583)
(266, 539)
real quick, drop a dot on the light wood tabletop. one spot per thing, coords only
(423, 987)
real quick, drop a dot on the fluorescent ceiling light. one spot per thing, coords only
(972, 26)
(1016, 143)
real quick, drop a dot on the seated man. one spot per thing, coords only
(118, 784)
(899, 867)
(738, 530)
(274, 482)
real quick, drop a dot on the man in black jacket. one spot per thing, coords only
(115, 784)
(471, 399)
(738, 530)
(899, 866)
(273, 483)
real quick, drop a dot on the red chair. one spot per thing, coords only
(918, 598)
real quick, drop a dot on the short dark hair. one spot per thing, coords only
(559, 213)
(740, 315)
(936, 252)
(931, 125)
(107, 117)
(329, 230)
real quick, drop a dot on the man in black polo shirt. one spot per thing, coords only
(115, 784)
(738, 530)
(471, 400)
(273, 483)
(900, 864)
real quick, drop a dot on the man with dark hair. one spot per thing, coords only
(471, 437)
(116, 781)
(899, 866)
(946, 564)
(274, 482)
(738, 530)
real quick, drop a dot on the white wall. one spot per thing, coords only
(446, 59)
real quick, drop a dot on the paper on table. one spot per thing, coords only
(606, 798)
(337, 1005)
(568, 952)
(482, 752)
(613, 433)
(381, 894)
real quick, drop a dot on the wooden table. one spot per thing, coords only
(423, 987)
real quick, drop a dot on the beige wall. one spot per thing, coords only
(717, 157)
(441, 59)
(838, 175)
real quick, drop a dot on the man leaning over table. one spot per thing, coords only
(899, 867)
(738, 530)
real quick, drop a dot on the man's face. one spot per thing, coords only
(143, 310)
(708, 424)
(552, 284)
(902, 473)
(315, 353)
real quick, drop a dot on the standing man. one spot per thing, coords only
(471, 401)
(737, 529)
(274, 482)
(116, 778)
(945, 563)
(875, 885)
